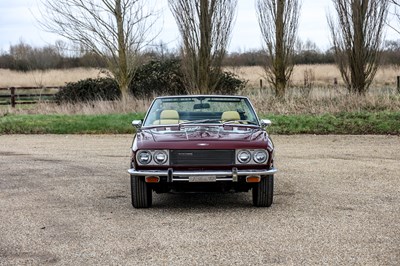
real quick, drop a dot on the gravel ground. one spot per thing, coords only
(65, 200)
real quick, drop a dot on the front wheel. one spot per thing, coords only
(141, 193)
(263, 192)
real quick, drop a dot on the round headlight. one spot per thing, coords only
(244, 156)
(260, 156)
(160, 157)
(144, 157)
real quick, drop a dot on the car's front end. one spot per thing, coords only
(200, 149)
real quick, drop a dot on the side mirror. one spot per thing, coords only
(137, 123)
(265, 122)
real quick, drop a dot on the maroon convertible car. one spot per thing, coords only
(201, 143)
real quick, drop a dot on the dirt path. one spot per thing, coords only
(66, 200)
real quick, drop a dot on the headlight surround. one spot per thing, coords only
(252, 157)
(244, 156)
(260, 156)
(152, 157)
(144, 157)
(160, 157)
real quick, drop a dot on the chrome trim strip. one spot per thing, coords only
(187, 179)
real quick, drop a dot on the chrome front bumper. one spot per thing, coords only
(177, 176)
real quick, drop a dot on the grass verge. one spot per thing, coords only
(342, 123)
(68, 124)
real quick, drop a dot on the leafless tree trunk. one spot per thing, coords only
(205, 27)
(278, 20)
(113, 29)
(357, 40)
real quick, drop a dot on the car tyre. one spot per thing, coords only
(263, 192)
(141, 192)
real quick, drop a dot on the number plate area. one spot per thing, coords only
(200, 179)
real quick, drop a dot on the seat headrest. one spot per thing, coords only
(230, 115)
(169, 114)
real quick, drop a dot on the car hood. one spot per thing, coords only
(202, 137)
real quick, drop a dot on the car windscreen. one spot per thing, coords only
(204, 109)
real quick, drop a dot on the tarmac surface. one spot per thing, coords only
(65, 200)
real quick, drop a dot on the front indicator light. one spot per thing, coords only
(152, 179)
(253, 179)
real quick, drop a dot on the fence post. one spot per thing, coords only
(398, 84)
(12, 89)
(261, 84)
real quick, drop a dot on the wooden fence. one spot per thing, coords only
(13, 97)
(398, 84)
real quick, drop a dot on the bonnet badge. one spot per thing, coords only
(203, 144)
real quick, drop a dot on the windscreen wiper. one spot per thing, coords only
(201, 121)
(242, 122)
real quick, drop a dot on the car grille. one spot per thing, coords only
(202, 157)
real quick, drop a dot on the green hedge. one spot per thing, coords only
(89, 90)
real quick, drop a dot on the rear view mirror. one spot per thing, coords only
(201, 106)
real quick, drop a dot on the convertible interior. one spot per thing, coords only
(168, 117)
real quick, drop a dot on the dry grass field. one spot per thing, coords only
(319, 96)
(39, 78)
(318, 76)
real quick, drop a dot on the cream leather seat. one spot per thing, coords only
(168, 117)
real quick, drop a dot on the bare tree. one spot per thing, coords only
(205, 27)
(396, 8)
(357, 35)
(113, 29)
(278, 20)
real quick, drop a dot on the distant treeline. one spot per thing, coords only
(23, 57)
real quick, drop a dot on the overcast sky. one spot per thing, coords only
(17, 22)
